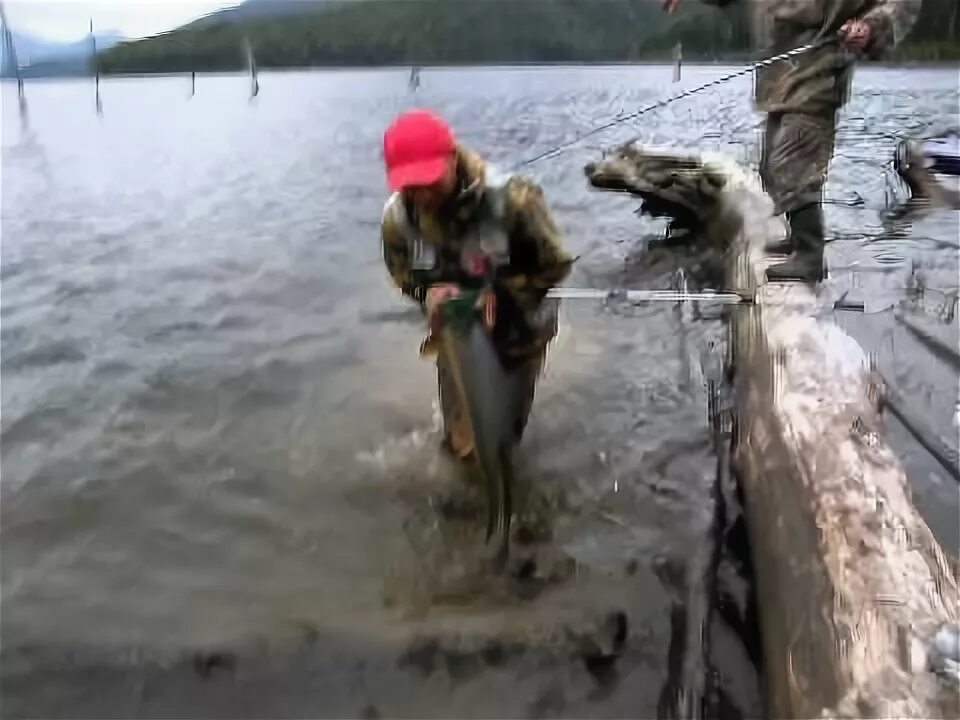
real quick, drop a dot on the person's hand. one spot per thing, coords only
(856, 34)
(670, 5)
(436, 296)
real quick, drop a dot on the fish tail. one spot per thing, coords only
(506, 497)
(493, 505)
(500, 500)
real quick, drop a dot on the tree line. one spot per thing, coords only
(389, 32)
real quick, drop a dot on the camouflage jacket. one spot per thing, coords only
(819, 81)
(504, 220)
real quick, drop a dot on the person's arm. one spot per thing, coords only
(396, 256)
(537, 244)
(889, 22)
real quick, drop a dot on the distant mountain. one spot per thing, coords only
(32, 49)
(30, 46)
(39, 56)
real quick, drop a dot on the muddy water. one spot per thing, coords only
(221, 491)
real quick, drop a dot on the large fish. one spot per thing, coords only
(493, 399)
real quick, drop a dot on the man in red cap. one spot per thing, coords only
(449, 223)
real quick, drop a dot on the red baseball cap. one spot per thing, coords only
(416, 147)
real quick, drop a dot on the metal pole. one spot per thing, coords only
(675, 296)
(639, 296)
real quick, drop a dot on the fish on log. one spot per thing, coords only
(854, 589)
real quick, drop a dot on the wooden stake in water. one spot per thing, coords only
(96, 69)
(10, 60)
(193, 83)
(252, 64)
(677, 60)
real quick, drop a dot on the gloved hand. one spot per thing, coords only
(856, 34)
(436, 296)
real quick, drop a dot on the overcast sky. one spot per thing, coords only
(70, 19)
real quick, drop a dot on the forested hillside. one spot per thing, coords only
(379, 32)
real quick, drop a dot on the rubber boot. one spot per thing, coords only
(779, 247)
(805, 264)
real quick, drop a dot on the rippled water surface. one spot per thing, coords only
(219, 442)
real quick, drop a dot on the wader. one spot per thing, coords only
(797, 150)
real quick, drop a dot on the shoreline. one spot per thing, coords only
(727, 62)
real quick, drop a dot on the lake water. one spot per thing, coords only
(221, 491)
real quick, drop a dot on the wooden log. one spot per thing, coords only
(852, 584)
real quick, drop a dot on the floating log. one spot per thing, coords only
(853, 587)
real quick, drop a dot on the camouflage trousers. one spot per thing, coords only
(797, 149)
(458, 435)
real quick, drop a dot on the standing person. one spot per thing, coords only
(450, 220)
(802, 97)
